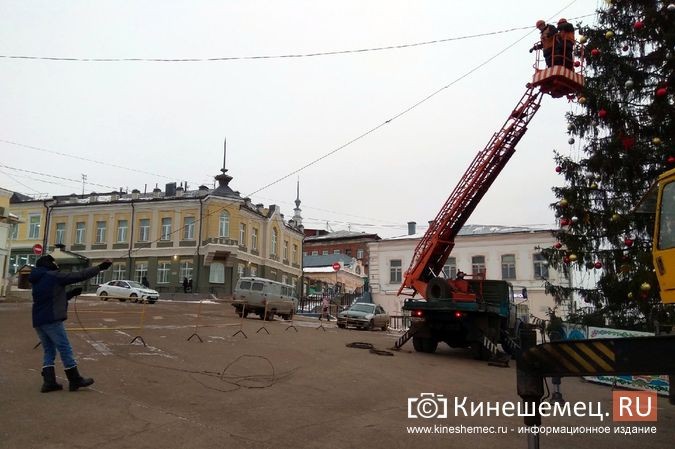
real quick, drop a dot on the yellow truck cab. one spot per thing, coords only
(664, 236)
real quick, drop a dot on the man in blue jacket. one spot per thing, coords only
(50, 310)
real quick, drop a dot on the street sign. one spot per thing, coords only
(336, 266)
(37, 249)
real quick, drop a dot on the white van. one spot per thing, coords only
(265, 298)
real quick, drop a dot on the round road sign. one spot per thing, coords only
(336, 266)
(37, 249)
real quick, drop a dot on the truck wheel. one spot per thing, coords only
(479, 351)
(427, 345)
(437, 288)
(417, 344)
(430, 345)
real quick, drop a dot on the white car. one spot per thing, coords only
(122, 290)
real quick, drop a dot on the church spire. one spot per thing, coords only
(223, 178)
(297, 212)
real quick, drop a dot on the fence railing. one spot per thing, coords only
(314, 303)
(399, 322)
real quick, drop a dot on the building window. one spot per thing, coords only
(79, 233)
(60, 232)
(119, 271)
(144, 230)
(540, 266)
(395, 271)
(166, 229)
(324, 252)
(224, 225)
(34, 226)
(163, 269)
(275, 236)
(122, 229)
(240, 269)
(336, 251)
(14, 234)
(348, 252)
(359, 253)
(284, 279)
(217, 273)
(186, 269)
(450, 268)
(508, 266)
(188, 228)
(295, 253)
(141, 271)
(254, 270)
(242, 234)
(254, 239)
(100, 232)
(98, 279)
(285, 250)
(315, 253)
(478, 265)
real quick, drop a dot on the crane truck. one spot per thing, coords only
(474, 312)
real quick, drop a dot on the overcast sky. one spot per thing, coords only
(168, 119)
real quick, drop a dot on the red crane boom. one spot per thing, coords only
(434, 248)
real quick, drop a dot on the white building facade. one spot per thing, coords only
(499, 252)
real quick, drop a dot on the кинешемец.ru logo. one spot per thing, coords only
(428, 405)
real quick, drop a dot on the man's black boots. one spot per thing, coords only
(49, 383)
(75, 380)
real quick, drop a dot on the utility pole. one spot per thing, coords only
(84, 179)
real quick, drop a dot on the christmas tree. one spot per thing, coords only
(622, 137)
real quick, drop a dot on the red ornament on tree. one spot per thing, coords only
(597, 264)
(628, 142)
(625, 48)
(566, 260)
(602, 113)
(628, 241)
(558, 245)
(639, 25)
(558, 169)
(577, 63)
(671, 160)
(661, 92)
(595, 52)
(564, 222)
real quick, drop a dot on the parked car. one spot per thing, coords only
(365, 316)
(265, 298)
(123, 289)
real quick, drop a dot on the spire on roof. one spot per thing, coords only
(297, 212)
(223, 178)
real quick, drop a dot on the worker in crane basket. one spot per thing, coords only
(565, 42)
(547, 41)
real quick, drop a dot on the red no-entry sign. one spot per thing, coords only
(337, 266)
(37, 249)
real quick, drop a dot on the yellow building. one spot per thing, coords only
(209, 236)
(8, 222)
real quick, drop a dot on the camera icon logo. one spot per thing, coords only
(428, 405)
